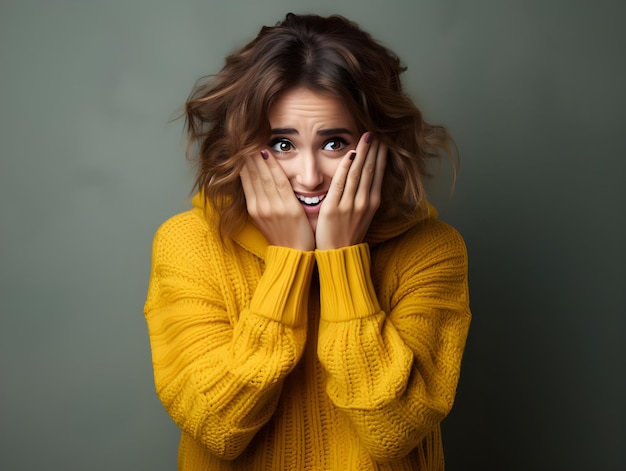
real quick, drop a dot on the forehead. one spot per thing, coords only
(304, 104)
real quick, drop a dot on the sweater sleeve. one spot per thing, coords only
(219, 373)
(394, 373)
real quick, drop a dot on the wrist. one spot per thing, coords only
(346, 288)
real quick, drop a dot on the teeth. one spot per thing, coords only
(311, 200)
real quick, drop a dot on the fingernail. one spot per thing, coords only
(352, 155)
(264, 154)
(368, 138)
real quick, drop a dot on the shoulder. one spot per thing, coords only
(427, 244)
(187, 224)
(428, 261)
(432, 234)
(184, 235)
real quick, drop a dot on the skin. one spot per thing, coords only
(315, 152)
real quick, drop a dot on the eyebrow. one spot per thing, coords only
(321, 132)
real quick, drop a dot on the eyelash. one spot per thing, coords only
(281, 140)
(342, 143)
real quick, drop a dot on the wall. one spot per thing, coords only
(90, 166)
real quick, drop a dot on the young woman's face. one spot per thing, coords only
(311, 133)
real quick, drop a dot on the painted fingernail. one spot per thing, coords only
(352, 155)
(368, 138)
(264, 154)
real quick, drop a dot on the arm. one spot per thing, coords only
(217, 372)
(394, 373)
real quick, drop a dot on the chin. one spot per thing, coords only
(313, 223)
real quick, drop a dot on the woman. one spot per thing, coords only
(310, 311)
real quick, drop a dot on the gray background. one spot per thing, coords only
(533, 92)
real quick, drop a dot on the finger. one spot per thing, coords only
(377, 182)
(361, 174)
(271, 180)
(246, 179)
(281, 183)
(338, 182)
(368, 168)
(346, 179)
(260, 175)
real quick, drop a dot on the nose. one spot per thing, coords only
(309, 175)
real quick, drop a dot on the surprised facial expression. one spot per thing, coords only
(311, 133)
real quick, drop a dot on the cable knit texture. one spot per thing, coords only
(270, 358)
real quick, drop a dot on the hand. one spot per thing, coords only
(353, 197)
(272, 204)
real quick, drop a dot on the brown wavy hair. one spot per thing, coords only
(227, 114)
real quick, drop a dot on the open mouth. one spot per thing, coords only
(310, 200)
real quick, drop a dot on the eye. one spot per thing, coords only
(281, 145)
(335, 144)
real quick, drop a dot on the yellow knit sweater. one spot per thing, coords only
(270, 358)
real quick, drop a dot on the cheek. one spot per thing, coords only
(288, 167)
(330, 167)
